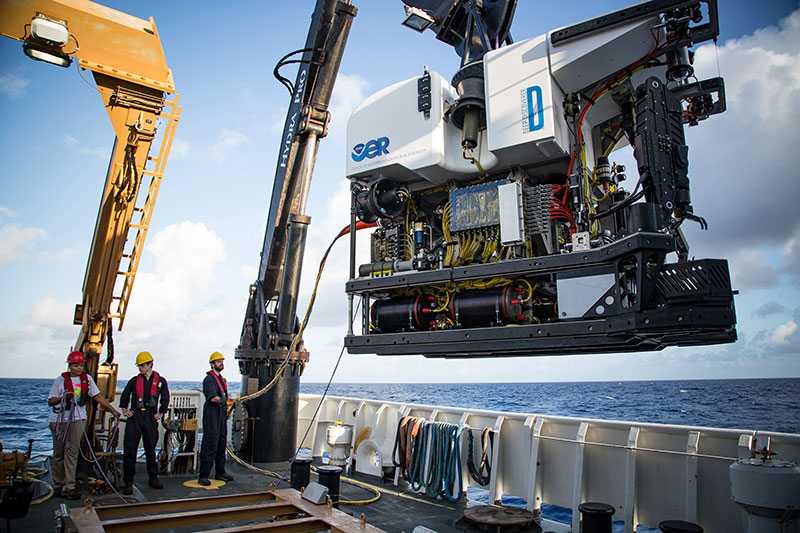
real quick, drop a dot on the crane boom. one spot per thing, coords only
(125, 56)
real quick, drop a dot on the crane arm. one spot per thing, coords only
(125, 56)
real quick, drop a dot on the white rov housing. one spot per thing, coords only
(524, 86)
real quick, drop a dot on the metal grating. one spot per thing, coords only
(704, 280)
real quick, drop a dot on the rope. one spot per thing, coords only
(437, 446)
(487, 440)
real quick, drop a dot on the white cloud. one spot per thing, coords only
(227, 142)
(17, 241)
(47, 334)
(750, 270)
(181, 149)
(7, 213)
(13, 86)
(58, 257)
(76, 145)
(740, 161)
(781, 334)
(791, 254)
(52, 313)
(348, 92)
(180, 309)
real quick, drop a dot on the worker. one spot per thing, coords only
(148, 396)
(215, 425)
(68, 397)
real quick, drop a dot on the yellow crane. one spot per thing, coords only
(125, 56)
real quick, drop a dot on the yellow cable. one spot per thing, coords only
(346, 480)
(47, 496)
(474, 161)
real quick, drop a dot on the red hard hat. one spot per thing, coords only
(76, 357)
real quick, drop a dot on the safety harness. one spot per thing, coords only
(70, 388)
(154, 386)
(223, 385)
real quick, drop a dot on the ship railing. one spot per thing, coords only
(648, 472)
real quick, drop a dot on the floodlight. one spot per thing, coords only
(417, 19)
(52, 57)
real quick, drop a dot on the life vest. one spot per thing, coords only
(84, 397)
(223, 386)
(154, 386)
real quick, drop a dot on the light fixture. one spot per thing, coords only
(47, 38)
(417, 19)
(53, 57)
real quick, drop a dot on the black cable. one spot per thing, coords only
(110, 344)
(283, 61)
(314, 416)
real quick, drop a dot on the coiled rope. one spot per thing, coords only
(430, 454)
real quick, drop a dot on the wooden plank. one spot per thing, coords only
(85, 520)
(113, 511)
(297, 525)
(336, 519)
(194, 518)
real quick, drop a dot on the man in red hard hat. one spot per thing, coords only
(68, 397)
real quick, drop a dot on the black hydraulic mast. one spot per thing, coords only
(266, 431)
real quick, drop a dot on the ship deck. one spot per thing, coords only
(398, 509)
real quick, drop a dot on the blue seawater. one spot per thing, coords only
(755, 404)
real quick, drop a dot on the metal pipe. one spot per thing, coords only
(350, 297)
(309, 158)
(293, 265)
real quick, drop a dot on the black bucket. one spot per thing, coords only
(679, 526)
(329, 477)
(596, 517)
(17, 500)
(301, 473)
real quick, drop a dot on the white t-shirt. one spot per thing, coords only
(78, 411)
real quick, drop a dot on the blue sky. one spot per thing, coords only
(203, 247)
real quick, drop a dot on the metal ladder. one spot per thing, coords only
(125, 277)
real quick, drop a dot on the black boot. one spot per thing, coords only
(155, 483)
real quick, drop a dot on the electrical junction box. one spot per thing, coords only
(315, 493)
(512, 223)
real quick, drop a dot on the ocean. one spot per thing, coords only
(751, 404)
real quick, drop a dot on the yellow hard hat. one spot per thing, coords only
(143, 357)
(216, 356)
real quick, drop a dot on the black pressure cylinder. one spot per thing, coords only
(407, 313)
(679, 526)
(301, 473)
(329, 477)
(488, 307)
(642, 217)
(596, 517)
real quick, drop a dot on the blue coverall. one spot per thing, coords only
(215, 426)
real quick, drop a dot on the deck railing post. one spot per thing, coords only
(577, 482)
(630, 481)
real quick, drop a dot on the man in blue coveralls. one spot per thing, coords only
(215, 425)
